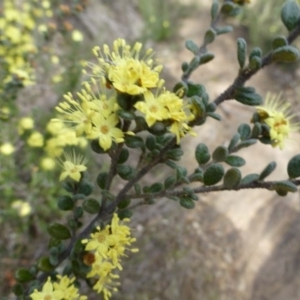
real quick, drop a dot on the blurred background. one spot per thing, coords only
(242, 245)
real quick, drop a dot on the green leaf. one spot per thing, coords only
(78, 212)
(184, 67)
(228, 7)
(255, 52)
(85, 188)
(233, 142)
(267, 170)
(232, 178)
(245, 131)
(194, 63)
(251, 99)
(124, 214)
(101, 179)
(250, 178)
(255, 63)
(186, 202)
(235, 161)
(91, 206)
(198, 102)
(213, 174)
(159, 128)
(241, 52)
(196, 177)
(126, 115)
(124, 203)
(68, 186)
(65, 203)
(209, 36)
(220, 153)
(23, 275)
(181, 173)
(223, 30)
(96, 147)
(190, 45)
(150, 142)
(181, 86)
(134, 141)
(206, 57)
(45, 265)
(283, 187)
(285, 54)
(156, 187)
(125, 172)
(211, 107)
(171, 164)
(293, 167)
(59, 231)
(214, 116)
(124, 155)
(279, 41)
(290, 14)
(202, 154)
(214, 10)
(18, 289)
(195, 90)
(174, 154)
(256, 130)
(245, 144)
(170, 182)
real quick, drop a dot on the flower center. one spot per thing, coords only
(104, 129)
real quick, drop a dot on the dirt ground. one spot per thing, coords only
(233, 245)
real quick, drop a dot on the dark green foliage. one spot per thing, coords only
(293, 167)
(232, 178)
(241, 52)
(101, 179)
(23, 275)
(235, 161)
(202, 154)
(290, 14)
(220, 154)
(186, 202)
(249, 178)
(267, 170)
(59, 231)
(91, 206)
(213, 174)
(124, 155)
(65, 203)
(285, 54)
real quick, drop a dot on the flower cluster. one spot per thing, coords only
(278, 117)
(105, 247)
(123, 80)
(16, 40)
(63, 289)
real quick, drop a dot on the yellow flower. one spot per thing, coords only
(124, 69)
(66, 285)
(77, 36)
(72, 166)
(36, 139)
(105, 131)
(47, 292)
(153, 108)
(25, 123)
(7, 149)
(278, 116)
(47, 163)
(22, 207)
